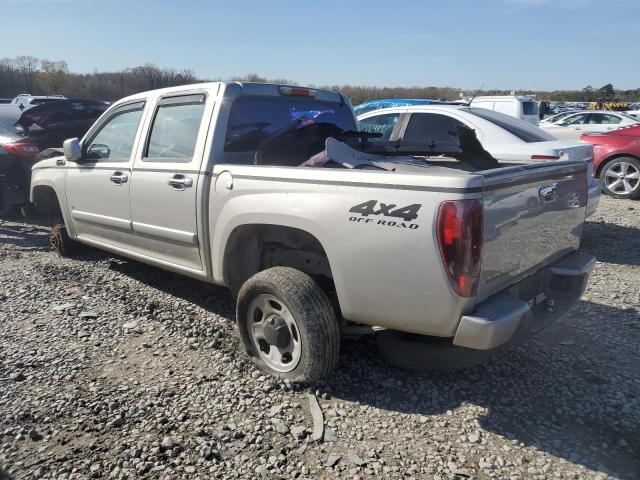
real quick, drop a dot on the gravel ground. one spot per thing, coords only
(113, 369)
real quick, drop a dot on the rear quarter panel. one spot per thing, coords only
(386, 271)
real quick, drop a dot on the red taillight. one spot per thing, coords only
(297, 91)
(460, 225)
(21, 148)
(544, 157)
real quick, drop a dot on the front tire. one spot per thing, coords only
(621, 177)
(60, 241)
(288, 325)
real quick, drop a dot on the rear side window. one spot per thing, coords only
(175, 128)
(382, 124)
(578, 119)
(519, 128)
(604, 119)
(432, 127)
(530, 108)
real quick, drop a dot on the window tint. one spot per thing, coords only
(432, 127)
(530, 108)
(175, 128)
(519, 128)
(114, 140)
(578, 119)
(254, 119)
(598, 118)
(383, 124)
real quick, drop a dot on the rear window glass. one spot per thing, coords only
(519, 128)
(254, 119)
(530, 108)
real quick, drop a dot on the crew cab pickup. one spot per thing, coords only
(258, 187)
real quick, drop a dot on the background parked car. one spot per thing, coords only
(522, 107)
(574, 125)
(49, 125)
(38, 128)
(616, 158)
(506, 138)
(17, 156)
(26, 100)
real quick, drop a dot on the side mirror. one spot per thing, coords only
(72, 150)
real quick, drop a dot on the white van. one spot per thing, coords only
(523, 107)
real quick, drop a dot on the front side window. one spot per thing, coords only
(578, 119)
(115, 137)
(175, 128)
(382, 124)
(432, 127)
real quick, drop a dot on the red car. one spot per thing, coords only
(616, 160)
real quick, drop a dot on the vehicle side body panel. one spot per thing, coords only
(365, 272)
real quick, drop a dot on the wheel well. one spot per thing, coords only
(46, 201)
(253, 248)
(613, 157)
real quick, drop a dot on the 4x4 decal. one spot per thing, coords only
(373, 207)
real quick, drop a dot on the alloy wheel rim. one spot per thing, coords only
(622, 178)
(274, 333)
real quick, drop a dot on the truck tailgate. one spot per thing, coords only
(533, 215)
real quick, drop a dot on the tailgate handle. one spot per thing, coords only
(547, 193)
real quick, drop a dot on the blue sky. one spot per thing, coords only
(511, 44)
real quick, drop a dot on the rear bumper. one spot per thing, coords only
(523, 309)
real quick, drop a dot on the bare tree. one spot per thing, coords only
(27, 66)
(54, 74)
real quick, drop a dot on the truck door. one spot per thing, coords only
(97, 186)
(166, 178)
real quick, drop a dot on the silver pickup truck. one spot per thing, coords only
(223, 182)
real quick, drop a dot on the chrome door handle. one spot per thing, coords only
(180, 182)
(119, 178)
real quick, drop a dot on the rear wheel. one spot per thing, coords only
(288, 325)
(621, 177)
(429, 354)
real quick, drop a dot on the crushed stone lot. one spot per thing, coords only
(113, 369)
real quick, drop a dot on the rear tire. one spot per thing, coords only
(429, 354)
(60, 241)
(621, 177)
(288, 325)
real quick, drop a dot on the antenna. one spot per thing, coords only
(476, 94)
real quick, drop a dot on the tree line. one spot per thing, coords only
(27, 74)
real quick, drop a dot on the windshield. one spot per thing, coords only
(519, 128)
(254, 119)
